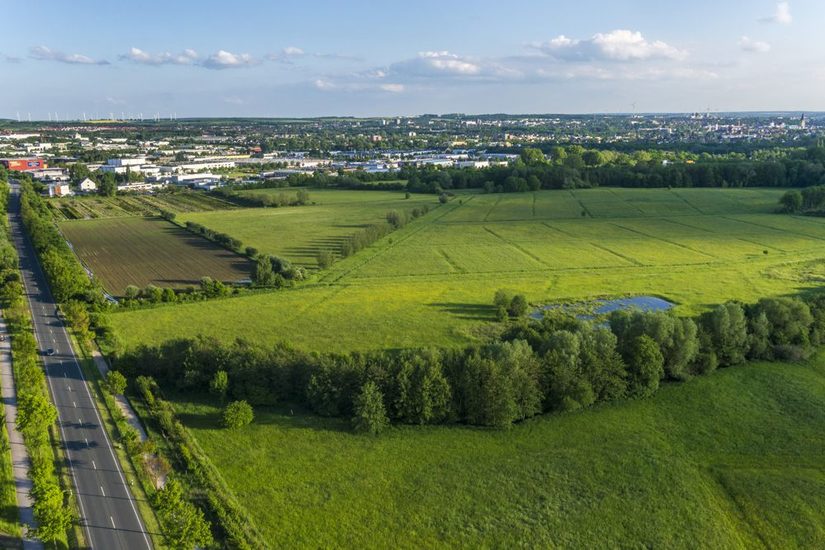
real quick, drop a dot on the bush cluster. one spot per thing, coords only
(226, 241)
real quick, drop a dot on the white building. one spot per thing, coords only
(196, 180)
(137, 161)
(140, 187)
(60, 190)
(88, 186)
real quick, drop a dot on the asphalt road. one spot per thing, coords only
(108, 511)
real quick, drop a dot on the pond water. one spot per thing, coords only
(602, 307)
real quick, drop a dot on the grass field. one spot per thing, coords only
(432, 282)
(732, 460)
(92, 207)
(141, 251)
(299, 233)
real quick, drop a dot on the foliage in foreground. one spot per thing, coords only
(558, 363)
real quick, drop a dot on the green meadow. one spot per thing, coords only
(300, 233)
(731, 460)
(432, 282)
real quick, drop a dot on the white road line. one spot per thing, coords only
(87, 441)
(94, 466)
(113, 522)
(74, 404)
(104, 494)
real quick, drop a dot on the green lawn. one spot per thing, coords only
(432, 282)
(732, 460)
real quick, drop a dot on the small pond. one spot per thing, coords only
(603, 307)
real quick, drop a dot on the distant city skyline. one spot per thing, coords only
(210, 59)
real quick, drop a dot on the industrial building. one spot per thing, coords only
(24, 165)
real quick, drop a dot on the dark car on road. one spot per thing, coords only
(50, 351)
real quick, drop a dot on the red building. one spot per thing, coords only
(24, 165)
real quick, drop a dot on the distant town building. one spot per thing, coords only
(60, 190)
(24, 165)
(88, 186)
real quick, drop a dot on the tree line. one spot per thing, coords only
(36, 415)
(558, 363)
(576, 167)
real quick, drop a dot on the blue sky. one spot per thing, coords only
(256, 58)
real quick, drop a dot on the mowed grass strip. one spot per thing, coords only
(141, 251)
(731, 460)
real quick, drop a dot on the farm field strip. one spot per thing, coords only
(142, 251)
(93, 207)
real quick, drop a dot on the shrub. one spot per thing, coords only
(370, 414)
(237, 415)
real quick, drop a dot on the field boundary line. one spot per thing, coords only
(581, 203)
(787, 231)
(687, 202)
(671, 220)
(562, 231)
(518, 247)
(451, 262)
(625, 201)
(490, 211)
(668, 241)
(634, 261)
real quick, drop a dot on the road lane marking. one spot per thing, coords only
(104, 494)
(74, 404)
(94, 466)
(113, 522)
(87, 441)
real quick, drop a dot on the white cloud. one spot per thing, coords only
(223, 59)
(393, 88)
(617, 45)
(44, 53)
(753, 46)
(136, 55)
(444, 64)
(782, 15)
(292, 51)
(429, 63)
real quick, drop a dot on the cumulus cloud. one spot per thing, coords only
(44, 53)
(444, 64)
(223, 59)
(136, 55)
(753, 46)
(782, 15)
(617, 45)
